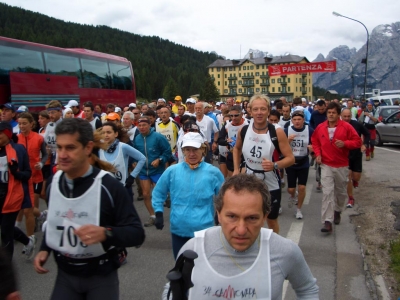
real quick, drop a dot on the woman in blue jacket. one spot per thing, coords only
(192, 186)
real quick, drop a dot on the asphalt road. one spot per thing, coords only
(335, 259)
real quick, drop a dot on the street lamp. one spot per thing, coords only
(351, 73)
(366, 56)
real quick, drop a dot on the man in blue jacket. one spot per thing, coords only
(157, 150)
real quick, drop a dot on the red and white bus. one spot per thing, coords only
(33, 74)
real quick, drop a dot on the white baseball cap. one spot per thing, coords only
(132, 105)
(22, 108)
(162, 99)
(303, 100)
(192, 139)
(72, 103)
(191, 100)
(117, 109)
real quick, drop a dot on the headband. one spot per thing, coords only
(54, 108)
(144, 121)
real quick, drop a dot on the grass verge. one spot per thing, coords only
(395, 259)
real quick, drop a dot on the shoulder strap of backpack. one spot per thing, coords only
(274, 137)
(243, 132)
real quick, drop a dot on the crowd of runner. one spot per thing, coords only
(169, 149)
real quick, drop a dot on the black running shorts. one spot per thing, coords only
(275, 204)
(355, 161)
(296, 176)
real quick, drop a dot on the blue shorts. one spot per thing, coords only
(153, 178)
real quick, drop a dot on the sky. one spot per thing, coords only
(231, 28)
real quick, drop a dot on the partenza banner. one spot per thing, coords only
(323, 66)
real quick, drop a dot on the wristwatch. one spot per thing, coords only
(109, 233)
(276, 166)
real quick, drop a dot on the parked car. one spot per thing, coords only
(388, 131)
(382, 112)
(388, 99)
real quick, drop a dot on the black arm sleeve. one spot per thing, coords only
(365, 133)
(24, 172)
(223, 135)
(124, 222)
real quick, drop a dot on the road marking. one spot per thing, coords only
(309, 190)
(294, 235)
(295, 230)
(387, 150)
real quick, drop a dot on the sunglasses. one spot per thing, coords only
(231, 116)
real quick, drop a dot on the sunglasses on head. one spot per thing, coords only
(231, 116)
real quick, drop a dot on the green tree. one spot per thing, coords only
(170, 90)
(209, 91)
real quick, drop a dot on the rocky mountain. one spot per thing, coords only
(255, 54)
(383, 64)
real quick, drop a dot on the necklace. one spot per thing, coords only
(254, 127)
(230, 256)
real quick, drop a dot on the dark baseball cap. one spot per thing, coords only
(5, 125)
(8, 106)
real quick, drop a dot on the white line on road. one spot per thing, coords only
(387, 150)
(294, 235)
(309, 190)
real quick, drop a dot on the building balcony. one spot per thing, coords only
(248, 84)
(304, 82)
(233, 85)
(283, 83)
(304, 74)
(248, 77)
(264, 76)
(232, 78)
(304, 92)
(264, 84)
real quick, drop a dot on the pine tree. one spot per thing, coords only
(209, 91)
(170, 90)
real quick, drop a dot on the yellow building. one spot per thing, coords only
(241, 78)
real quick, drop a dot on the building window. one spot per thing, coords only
(244, 68)
(288, 88)
(225, 91)
(219, 75)
(218, 69)
(283, 89)
(240, 82)
(226, 69)
(240, 74)
(279, 80)
(257, 90)
(251, 67)
(279, 89)
(257, 73)
(257, 67)
(273, 90)
(240, 90)
(263, 90)
(226, 83)
(257, 81)
(296, 88)
(225, 75)
(219, 83)
(296, 80)
(272, 80)
(288, 80)
(263, 66)
(212, 69)
(230, 68)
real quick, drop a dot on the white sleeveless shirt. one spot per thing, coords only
(67, 214)
(255, 148)
(253, 283)
(300, 142)
(118, 163)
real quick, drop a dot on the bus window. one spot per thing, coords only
(95, 74)
(63, 65)
(121, 76)
(14, 59)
